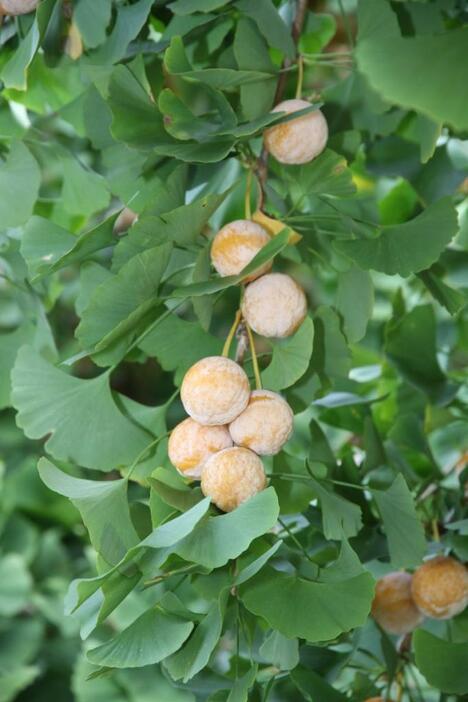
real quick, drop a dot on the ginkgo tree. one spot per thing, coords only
(280, 186)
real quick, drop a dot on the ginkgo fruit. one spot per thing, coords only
(232, 476)
(265, 425)
(440, 587)
(125, 220)
(236, 244)
(393, 607)
(274, 305)
(215, 390)
(191, 444)
(299, 140)
(18, 7)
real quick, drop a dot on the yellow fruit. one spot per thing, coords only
(191, 444)
(235, 245)
(18, 7)
(274, 305)
(231, 476)
(440, 587)
(265, 425)
(299, 140)
(215, 390)
(393, 607)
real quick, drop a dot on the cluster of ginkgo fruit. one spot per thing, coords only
(229, 427)
(438, 589)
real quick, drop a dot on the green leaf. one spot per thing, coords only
(411, 346)
(310, 683)
(326, 176)
(242, 685)
(130, 20)
(20, 179)
(442, 663)
(47, 248)
(103, 506)
(453, 300)
(340, 517)
(92, 20)
(15, 584)
(314, 611)
(185, 7)
(216, 540)
(151, 638)
(14, 72)
(251, 52)
(178, 344)
(280, 651)
(394, 64)
(50, 402)
(208, 287)
(16, 679)
(120, 303)
(195, 654)
(290, 358)
(405, 533)
(270, 24)
(406, 248)
(84, 191)
(176, 63)
(355, 302)
(331, 357)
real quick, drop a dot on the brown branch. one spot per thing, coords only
(262, 162)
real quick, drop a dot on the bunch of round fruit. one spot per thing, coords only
(438, 589)
(229, 427)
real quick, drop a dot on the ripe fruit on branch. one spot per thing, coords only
(393, 607)
(274, 305)
(215, 390)
(299, 140)
(231, 476)
(191, 444)
(265, 425)
(18, 7)
(235, 245)
(125, 220)
(440, 587)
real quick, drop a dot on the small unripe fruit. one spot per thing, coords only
(215, 390)
(299, 140)
(440, 587)
(393, 607)
(274, 305)
(192, 444)
(125, 220)
(265, 425)
(231, 476)
(18, 7)
(235, 245)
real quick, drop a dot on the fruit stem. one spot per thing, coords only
(253, 353)
(300, 76)
(230, 336)
(248, 189)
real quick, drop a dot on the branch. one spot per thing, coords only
(262, 163)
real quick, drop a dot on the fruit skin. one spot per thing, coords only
(274, 305)
(125, 220)
(191, 445)
(265, 425)
(18, 7)
(299, 140)
(235, 245)
(393, 607)
(231, 476)
(440, 587)
(215, 390)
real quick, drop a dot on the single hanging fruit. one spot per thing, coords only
(215, 390)
(18, 7)
(191, 444)
(265, 425)
(235, 245)
(440, 587)
(274, 305)
(393, 607)
(299, 140)
(231, 476)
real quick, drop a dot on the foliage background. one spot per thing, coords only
(377, 380)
